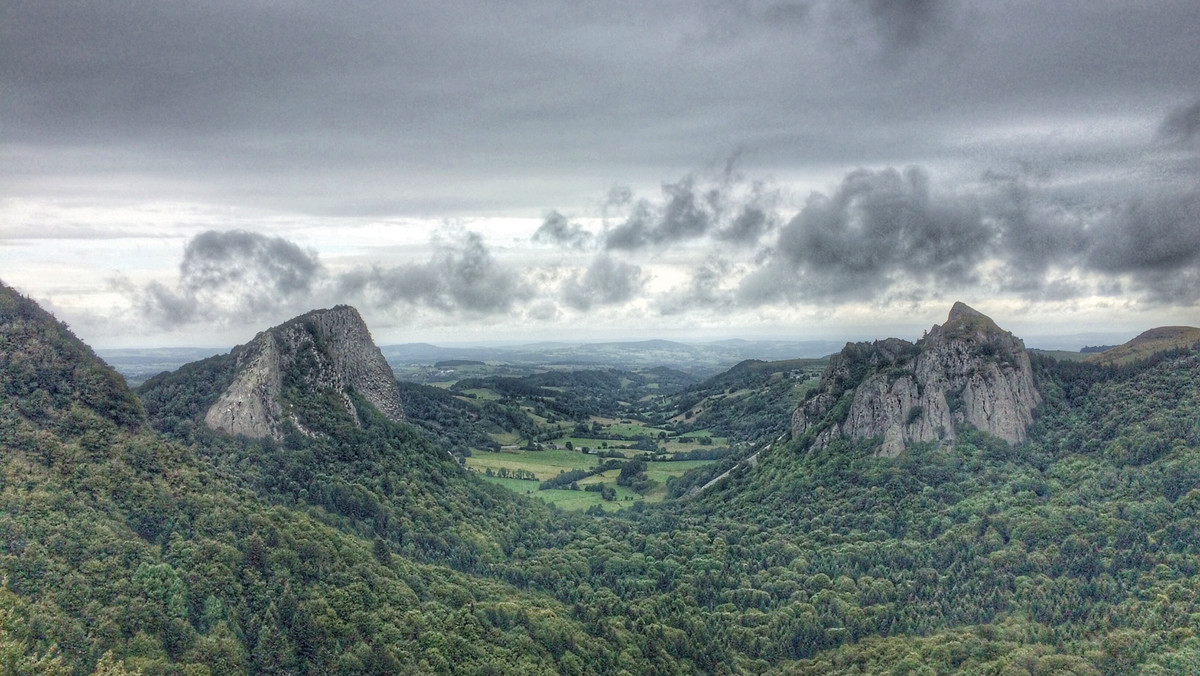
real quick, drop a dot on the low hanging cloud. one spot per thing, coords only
(235, 274)
(750, 226)
(704, 290)
(907, 24)
(878, 236)
(690, 210)
(1182, 124)
(888, 234)
(557, 229)
(607, 281)
(461, 276)
(875, 229)
(239, 276)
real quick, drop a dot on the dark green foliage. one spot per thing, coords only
(565, 479)
(751, 402)
(48, 370)
(456, 425)
(177, 401)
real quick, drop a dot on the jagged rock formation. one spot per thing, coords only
(965, 371)
(325, 352)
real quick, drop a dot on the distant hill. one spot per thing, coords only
(1148, 343)
(137, 365)
(699, 359)
(702, 360)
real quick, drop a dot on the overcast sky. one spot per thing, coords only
(188, 173)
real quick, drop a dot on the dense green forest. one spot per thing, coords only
(141, 540)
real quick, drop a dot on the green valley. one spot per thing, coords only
(342, 535)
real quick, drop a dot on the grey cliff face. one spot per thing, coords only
(965, 371)
(322, 351)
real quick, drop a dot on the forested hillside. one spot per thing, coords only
(365, 548)
(122, 551)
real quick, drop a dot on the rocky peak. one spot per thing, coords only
(962, 311)
(967, 370)
(322, 352)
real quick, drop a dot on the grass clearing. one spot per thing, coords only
(515, 485)
(481, 394)
(506, 438)
(544, 464)
(633, 430)
(548, 464)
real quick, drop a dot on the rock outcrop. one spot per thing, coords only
(965, 371)
(324, 351)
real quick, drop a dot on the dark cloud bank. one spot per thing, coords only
(882, 233)
(234, 276)
(689, 211)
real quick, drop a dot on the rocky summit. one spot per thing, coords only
(329, 352)
(966, 371)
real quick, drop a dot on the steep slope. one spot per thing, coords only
(1148, 343)
(48, 372)
(325, 353)
(978, 557)
(967, 371)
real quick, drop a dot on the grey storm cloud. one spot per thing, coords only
(1156, 242)
(1181, 124)
(876, 226)
(461, 276)
(235, 273)
(320, 114)
(239, 276)
(606, 281)
(557, 229)
(884, 233)
(689, 211)
(326, 109)
(754, 221)
(904, 24)
(220, 259)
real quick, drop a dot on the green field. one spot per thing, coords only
(481, 394)
(548, 464)
(633, 430)
(545, 464)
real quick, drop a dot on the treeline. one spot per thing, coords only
(566, 478)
